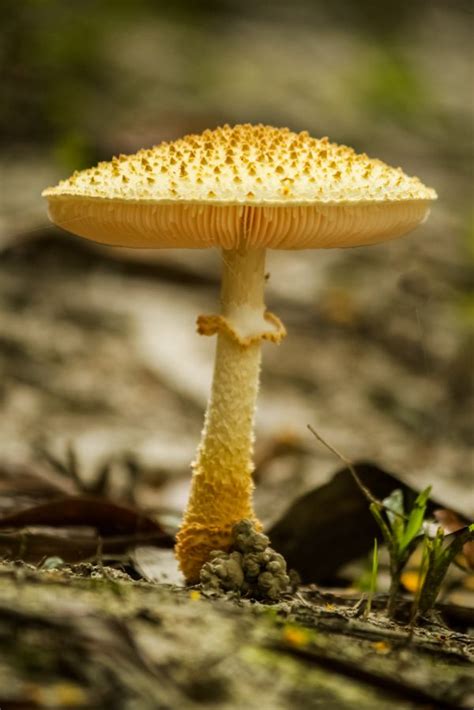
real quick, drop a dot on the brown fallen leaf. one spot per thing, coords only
(78, 528)
(451, 522)
(22, 486)
(106, 517)
(34, 545)
(331, 525)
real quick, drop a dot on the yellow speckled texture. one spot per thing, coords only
(222, 486)
(231, 187)
(246, 164)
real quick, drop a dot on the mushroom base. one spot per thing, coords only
(196, 542)
(222, 486)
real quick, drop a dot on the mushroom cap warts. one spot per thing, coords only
(243, 186)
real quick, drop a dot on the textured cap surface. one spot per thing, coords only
(249, 186)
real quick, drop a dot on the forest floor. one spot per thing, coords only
(90, 349)
(91, 637)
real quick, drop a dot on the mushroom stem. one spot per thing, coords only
(221, 491)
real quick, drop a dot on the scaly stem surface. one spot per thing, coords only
(221, 492)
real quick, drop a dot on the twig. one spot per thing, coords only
(349, 465)
(368, 494)
(99, 554)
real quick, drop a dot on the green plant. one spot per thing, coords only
(437, 557)
(400, 531)
(373, 579)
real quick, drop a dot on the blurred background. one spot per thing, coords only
(98, 347)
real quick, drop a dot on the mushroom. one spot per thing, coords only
(243, 189)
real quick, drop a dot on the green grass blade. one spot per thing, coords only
(415, 519)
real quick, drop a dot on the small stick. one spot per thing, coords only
(354, 473)
(349, 465)
(99, 554)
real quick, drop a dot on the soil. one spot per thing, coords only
(91, 637)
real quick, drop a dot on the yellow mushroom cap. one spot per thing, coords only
(242, 186)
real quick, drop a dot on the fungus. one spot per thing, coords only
(252, 568)
(337, 199)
